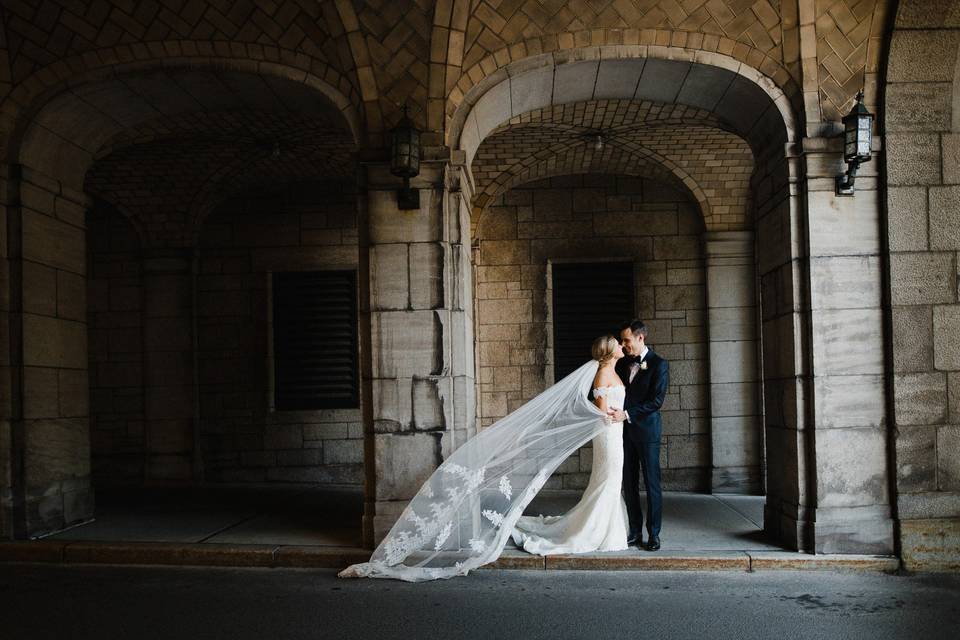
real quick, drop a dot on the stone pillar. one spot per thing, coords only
(421, 371)
(848, 396)
(168, 378)
(779, 192)
(49, 430)
(735, 424)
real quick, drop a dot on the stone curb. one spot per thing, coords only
(318, 557)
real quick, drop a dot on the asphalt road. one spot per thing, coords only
(87, 602)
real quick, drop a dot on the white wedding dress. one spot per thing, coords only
(599, 521)
(465, 512)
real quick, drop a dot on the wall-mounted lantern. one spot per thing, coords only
(857, 141)
(405, 160)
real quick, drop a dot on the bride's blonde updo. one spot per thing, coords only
(603, 348)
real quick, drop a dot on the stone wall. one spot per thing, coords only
(55, 439)
(923, 227)
(310, 226)
(595, 217)
(115, 330)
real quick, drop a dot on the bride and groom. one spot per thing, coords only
(464, 514)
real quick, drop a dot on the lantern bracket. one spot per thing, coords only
(857, 143)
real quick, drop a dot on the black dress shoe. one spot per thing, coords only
(634, 540)
(653, 544)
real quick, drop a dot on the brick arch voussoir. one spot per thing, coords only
(557, 49)
(18, 108)
(527, 171)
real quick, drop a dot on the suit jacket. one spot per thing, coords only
(645, 396)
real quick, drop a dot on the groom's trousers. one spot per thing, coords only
(642, 458)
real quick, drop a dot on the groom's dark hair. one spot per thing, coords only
(636, 327)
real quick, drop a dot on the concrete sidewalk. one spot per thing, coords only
(319, 527)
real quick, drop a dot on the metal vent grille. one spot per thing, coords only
(589, 300)
(315, 339)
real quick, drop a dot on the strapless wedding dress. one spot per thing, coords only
(599, 521)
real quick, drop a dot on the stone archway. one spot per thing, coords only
(94, 121)
(687, 91)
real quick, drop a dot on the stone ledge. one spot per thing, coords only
(767, 560)
(319, 557)
(671, 561)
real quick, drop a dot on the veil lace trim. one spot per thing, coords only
(463, 515)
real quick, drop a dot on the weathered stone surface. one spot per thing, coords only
(56, 451)
(907, 218)
(733, 361)
(403, 462)
(343, 451)
(946, 337)
(509, 311)
(51, 242)
(950, 148)
(953, 386)
(430, 396)
(680, 297)
(410, 343)
(499, 223)
(913, 158)
(930, 544)
(912, 338)
(39, 289)
(945, 218)
(389, 277)
(926, 106)
(849, 401)
(731, 286)
(845, 283)
(732, 323)
(920, 398)
(851, 467)
(843, 226)
(388, 224)
(505, 252)
(734, 399)
(426, 276)
(948, 458)
(40, 394)
(923, 278)
(736, 441)
(688, 451)
(917, 56)
(74, 393)
(52, 342)
(916, 459)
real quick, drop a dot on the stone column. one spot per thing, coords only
(735, 424)
(49, 427)
(168, 378)
(848, 396)
(421, 366)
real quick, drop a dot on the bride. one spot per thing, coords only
(463, 515)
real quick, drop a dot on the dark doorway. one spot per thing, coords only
(589, 300)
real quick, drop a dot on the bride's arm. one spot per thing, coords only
(599, 400)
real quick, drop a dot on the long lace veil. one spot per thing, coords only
(464, 513)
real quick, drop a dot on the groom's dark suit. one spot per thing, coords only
(641, 439)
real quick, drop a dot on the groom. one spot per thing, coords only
(646, 375)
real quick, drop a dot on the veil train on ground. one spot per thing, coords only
(462, 516)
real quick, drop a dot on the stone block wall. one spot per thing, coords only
(310, 226)
(923, 234)
(587, 218)
(115, 330)
(55, 436)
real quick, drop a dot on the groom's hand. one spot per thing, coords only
(617, 415)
